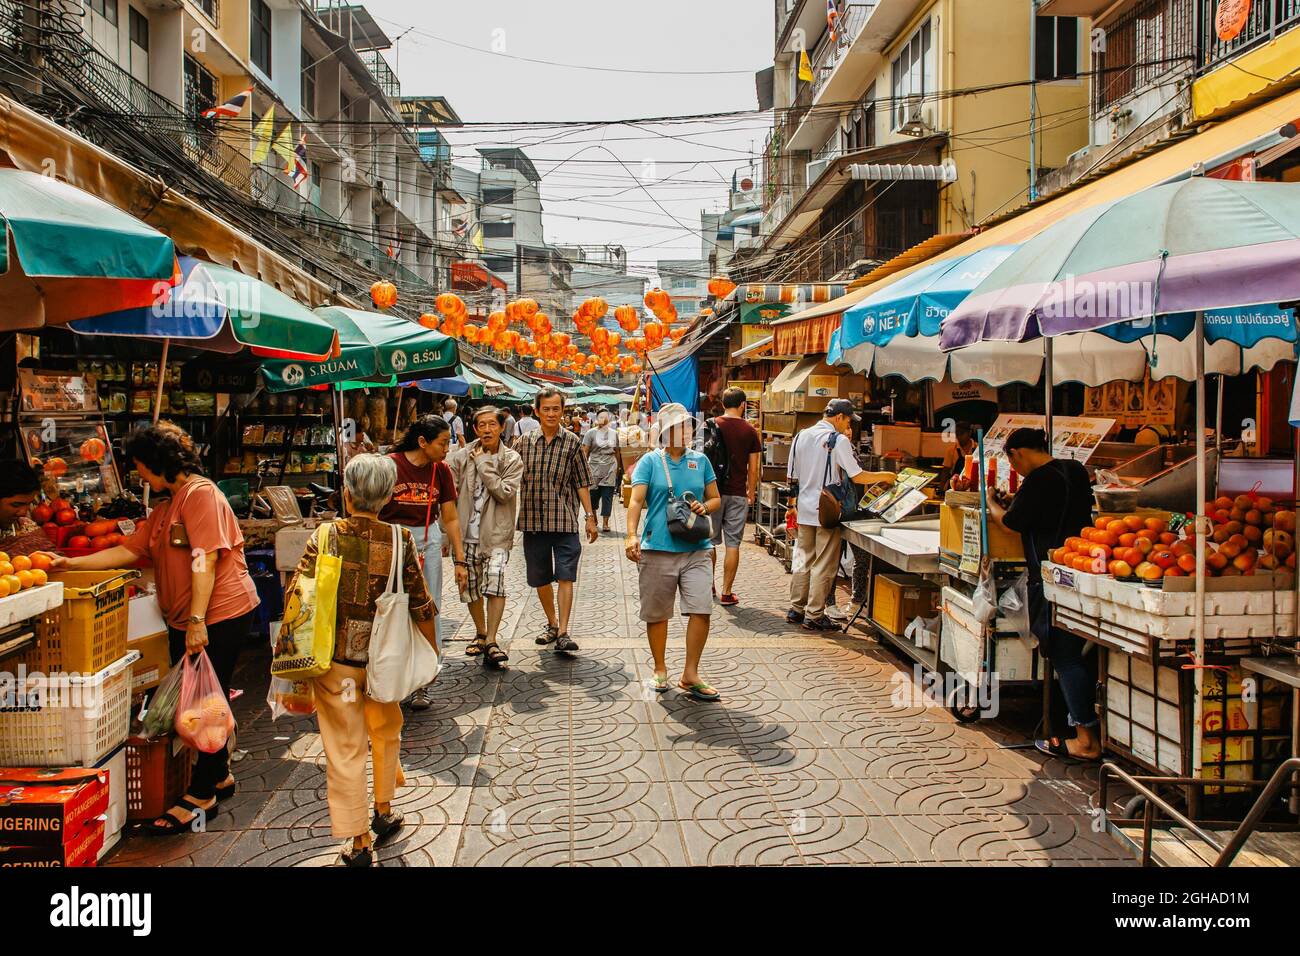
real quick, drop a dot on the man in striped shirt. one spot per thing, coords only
(555, 479)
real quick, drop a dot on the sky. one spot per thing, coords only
(639, 186)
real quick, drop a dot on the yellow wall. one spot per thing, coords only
(984, 44)
(1247, 75)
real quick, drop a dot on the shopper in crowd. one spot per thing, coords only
(487, 475)
(349, 718)
(527, 423)
(671, 568)
(817, 550)
(556, 479)
(605, 462)
(449, 408)
(510, 426)
(423, 498)
(204, 590)
(1054, 501)
(19, 488)
(743, 455)
(956, 456)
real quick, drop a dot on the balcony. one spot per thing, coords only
(382, 72)
(1150, 44)
(1268, 19)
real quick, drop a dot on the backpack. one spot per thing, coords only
(715, 449)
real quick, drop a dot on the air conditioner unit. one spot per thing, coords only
(914, 116)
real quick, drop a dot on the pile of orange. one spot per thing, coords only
(22, 571)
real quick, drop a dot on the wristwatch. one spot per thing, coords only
(197, 619)
(591, 516)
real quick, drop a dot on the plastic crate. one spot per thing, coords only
(71, 721)
(157, 775)
(115, 818)
(92, 622)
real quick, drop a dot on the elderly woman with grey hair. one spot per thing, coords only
(348, 718)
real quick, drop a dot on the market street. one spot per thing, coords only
(557, 761)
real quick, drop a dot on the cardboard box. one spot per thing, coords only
(1003, 545)
(900, 598)
(154, 662)
(900, 438)
(40, 807)
(934, 445)
(82, 850)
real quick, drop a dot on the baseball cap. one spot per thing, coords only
(841, 406)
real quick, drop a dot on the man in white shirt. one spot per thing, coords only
(527, 423)
(457, 426)
(817, 550)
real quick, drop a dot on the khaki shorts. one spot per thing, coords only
(684, 575)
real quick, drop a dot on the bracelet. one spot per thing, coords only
(461, 564)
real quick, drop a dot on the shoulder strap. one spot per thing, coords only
(663, 459)
(395, 583)
(830, 457)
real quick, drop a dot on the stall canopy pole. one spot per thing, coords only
(162, 373)
(1218, 416)
(1047, 397)
(1201, 522)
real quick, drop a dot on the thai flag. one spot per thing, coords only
(832, 14)
(301, 169)
(232, 107)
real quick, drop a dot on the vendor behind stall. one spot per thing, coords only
(1054, 502)
(19, 534)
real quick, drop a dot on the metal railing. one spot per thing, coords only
(382, 72)
(1154, 39)
(1267, 19)
(850, 27)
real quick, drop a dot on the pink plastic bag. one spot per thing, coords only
(203, 716)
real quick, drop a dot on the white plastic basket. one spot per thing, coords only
(70, 721)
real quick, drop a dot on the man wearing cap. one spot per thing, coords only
(817, 549)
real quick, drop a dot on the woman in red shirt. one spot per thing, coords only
(204, 589)
(425, 491)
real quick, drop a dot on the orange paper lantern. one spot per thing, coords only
(449, 303)
(429, 320)
(383, 294)
(721, 287)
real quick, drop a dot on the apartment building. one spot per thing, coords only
(687, 281)
(903, 126)
(601, 271)
(369, 204)
(1159, 69)
(737, 226)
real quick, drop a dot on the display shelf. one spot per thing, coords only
(926, 658)
(30, 602)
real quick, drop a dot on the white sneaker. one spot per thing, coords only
(835, 614)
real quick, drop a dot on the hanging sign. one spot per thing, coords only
(1230, 19)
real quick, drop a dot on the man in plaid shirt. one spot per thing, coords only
(555, 480)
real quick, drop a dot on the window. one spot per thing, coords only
(501, 265)
(139, 26)
(913, 72)
(308, 82)
(497, 196)
(861, 131)
(1056, 48)
(209, 7)
(259, 36)
(105, 8)
(498, 230)
(200, 87)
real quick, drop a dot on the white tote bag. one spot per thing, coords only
(401, 660)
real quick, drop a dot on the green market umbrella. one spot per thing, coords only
(67, 254)
(374, 348)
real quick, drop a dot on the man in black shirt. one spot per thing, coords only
(1054, 502)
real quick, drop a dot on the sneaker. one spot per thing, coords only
(565, 643)
(552, 632)
(794, 617)
(422, 699)
(728, 600)
(835, 614)
(822, 623)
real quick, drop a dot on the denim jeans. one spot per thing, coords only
(431, 552)
(861, 562)
(602, 497)
(1078, 686)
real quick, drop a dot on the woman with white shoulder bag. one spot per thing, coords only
(376, 652)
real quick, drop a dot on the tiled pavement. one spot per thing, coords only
(575, 761)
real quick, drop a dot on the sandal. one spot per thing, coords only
(385, 825)
(700, 690)
(1056, 748)
(475, 647)
(552, 632)
(661, 682)
(227, 791)
(169, 824)
(356, 856)
(492, 654)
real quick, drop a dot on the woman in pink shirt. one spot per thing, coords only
(204, 589)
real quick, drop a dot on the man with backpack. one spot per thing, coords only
(733, 447)
(821, 456)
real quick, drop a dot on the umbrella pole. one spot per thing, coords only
(162, 374)
(1201, 521)
(1047, 397)
(1218, 415)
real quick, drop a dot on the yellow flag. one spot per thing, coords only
(262, 135)
(283, 147)
(805, 67)
(477, 238)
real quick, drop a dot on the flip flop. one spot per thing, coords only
(1060, 750)
(660, 683)
(173, 825)
(700, 691)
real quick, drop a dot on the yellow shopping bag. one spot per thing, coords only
(304, 647)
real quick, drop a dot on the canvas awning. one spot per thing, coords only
(754, 350)
(795, 375)
(801, 336)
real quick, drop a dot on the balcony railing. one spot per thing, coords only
(382, 72)
(1153, 40)
(1267, 19)
(850, 26)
